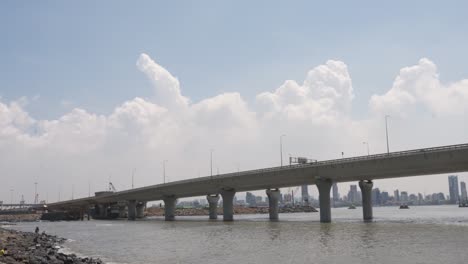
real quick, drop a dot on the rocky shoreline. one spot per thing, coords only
(25, 247)
(157, 211)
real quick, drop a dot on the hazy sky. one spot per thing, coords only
(93, 90)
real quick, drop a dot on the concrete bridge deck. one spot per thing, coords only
(437, 160)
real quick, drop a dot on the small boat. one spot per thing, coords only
(352, 207)
(404, 206)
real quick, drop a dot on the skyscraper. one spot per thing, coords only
(336, 195)
(464, 197)
(353, 194)
(453, 189)
(305, 195)
(396, 193)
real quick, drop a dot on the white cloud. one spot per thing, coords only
(420, 85)
(167, 87)
(325, 94)
(140, 133)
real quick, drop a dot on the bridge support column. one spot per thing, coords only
(169, 208)
(140, 209)
(273, 198)
(228, 207)
(131, 214)
(213, 205)
(324, 187)
(101, 211)
(366, 191)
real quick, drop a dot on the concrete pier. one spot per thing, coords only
(169, 208)
(131, 214)
(213, 205)
(273, 198)
(228, 206)
(140, 209)
(101, 210)
(366, 191)
(324, 187)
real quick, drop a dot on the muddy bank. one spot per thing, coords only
(20, 217)
(25, 247)
(156, 211)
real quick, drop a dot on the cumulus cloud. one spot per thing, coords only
(167, 87)
(81, 146)
(420, 85)
(326, 93)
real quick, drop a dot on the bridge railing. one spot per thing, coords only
(343, 160)
(288, 167)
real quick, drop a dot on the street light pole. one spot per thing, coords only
(11, 194)
(35, 193)
(367, 143)
(211, 162)
(281, 149)
(386, 132)
(164, 170)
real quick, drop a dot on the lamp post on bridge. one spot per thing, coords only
(367, 143)
(11, 196)
(211, 162)
(386, 132)
(281, 149)
(35, 193)
(164, 170)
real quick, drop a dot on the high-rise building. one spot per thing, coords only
(250, 199)
(336, 194)
(453, 189)
(353, 194)
(396, 194)
(305, 194)
(384, 197)
(376, 199)
(404, 196)
(464, 197)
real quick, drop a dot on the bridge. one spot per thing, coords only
(364, 169)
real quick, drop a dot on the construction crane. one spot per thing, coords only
(112, 187)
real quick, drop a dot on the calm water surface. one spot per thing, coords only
(429, 234)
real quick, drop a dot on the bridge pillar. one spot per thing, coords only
(324, 187)
(169, 208)
(366, 191)
(101, 211)
(213, 205)
(131, 214)
(140, 209)
(273, 198)
(228, 207)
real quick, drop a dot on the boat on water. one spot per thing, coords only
(404, 206)
(352, 207)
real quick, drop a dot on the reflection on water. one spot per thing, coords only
(432, 234)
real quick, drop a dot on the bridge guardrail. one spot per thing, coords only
(344, 160)
(288, 167)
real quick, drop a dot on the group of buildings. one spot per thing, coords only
(353, 197)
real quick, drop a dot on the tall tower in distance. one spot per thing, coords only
(336, 194)
(453, 188)
(464, 197)
(305, 195)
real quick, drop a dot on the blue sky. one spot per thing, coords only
(65, 55)
(85, 52)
